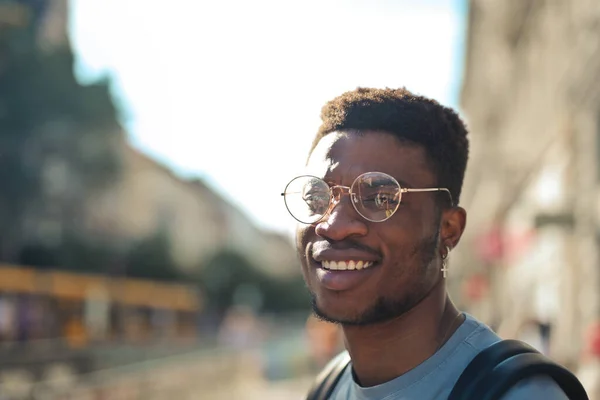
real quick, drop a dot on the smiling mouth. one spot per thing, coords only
(350, 265)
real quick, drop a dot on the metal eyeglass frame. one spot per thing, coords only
(348, 190)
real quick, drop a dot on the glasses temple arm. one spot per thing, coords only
(405, 190)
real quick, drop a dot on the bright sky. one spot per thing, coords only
(231, 90)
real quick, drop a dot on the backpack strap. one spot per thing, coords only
(502, 365)
(329, 377)
(483, 364)
(527, 365)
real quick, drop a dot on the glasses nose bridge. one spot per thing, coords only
(336, 197)
(337, 191)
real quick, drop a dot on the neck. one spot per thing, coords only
(384, 351)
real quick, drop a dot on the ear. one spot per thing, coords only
(454, 221)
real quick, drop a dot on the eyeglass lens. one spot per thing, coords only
(375, 196)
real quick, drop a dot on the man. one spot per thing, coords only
(378, 212)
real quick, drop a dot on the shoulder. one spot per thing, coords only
(480, 335)
(540, 387)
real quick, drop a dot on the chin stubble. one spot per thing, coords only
(385, 308)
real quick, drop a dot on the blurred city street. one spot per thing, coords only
(292, 389)
(145, 249)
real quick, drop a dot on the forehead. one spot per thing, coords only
(342, 156)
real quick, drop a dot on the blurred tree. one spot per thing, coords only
(59, 143)
(74, 253)
(39, 256)
(287, 295)
(148, 259)
(225, 272)
(229, 278)
(151, 259)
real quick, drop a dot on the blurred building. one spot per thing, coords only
(199, 222)
(148, 198)
(94, 199)
(531, 98)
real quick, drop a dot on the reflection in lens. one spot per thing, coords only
(307, 198)
(378, 195)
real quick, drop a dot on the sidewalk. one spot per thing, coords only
(283, 390)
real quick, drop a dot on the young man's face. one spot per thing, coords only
(403, 250)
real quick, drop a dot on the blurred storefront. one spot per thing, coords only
(528, 264)
(85, 309)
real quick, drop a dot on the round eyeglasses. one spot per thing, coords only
(374, 195)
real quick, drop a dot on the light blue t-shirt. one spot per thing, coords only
(435, 377)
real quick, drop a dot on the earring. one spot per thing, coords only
(445, 262)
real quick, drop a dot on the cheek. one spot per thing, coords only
(303, 235)
(404, 267)
(402, 252)
(408, 239)
(416, 221)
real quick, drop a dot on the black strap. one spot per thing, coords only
(483, 364)
(329, 377)
(527, 365)
(499, 367)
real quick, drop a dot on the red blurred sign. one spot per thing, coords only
(490, 245)
(498, 244)
(475, 287)
(593, 340)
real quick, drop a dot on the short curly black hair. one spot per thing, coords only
(409, 117)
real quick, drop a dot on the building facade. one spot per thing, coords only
(532, 103)
(199, 222)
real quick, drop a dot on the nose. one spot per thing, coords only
(342, 220)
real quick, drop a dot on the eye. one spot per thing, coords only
(382, 200)
(317, 202)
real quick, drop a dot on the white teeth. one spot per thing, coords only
(346, 265)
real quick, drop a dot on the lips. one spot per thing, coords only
(342, 270)
(343, 280)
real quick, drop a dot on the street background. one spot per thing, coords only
(145, 250)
